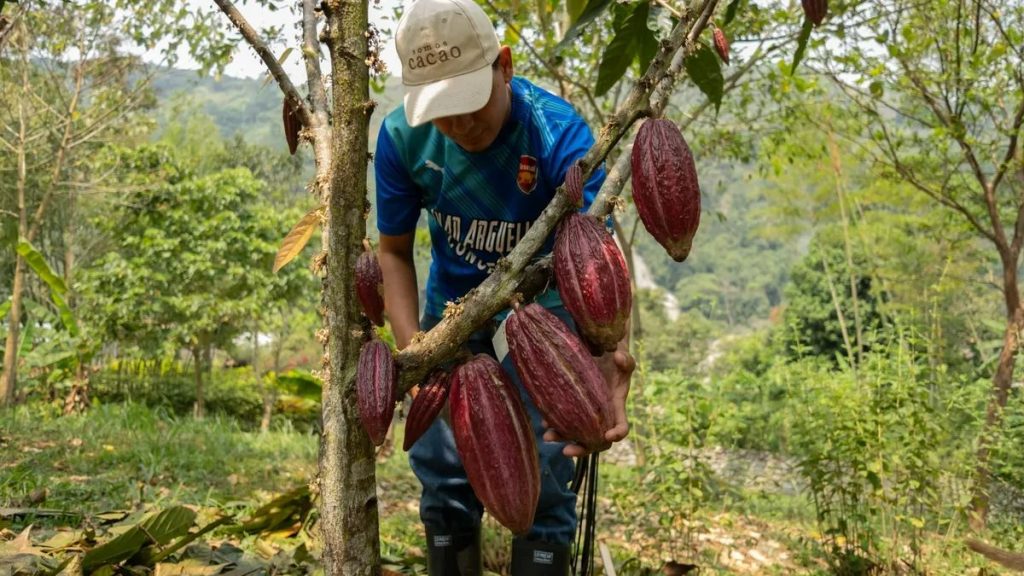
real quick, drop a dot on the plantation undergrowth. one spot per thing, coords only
(74, 490)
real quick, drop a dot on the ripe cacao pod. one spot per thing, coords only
(665, 187)
(815, 10)
(560, 376)
(375, 388)
(370, 286)
(592, 280)
(574, 183)
(495, 441)
(291, 126)
(721, 45)
(425, 407)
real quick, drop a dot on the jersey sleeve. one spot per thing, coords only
(572, 144)
(398, 198)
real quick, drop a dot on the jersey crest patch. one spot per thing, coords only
(527, 177)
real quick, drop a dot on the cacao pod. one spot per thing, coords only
(574, 184)
(291, 126)
(495, 441)
(425, 407)
(375, 388)
(560, 376)
(665, 188)
(370, 286)
(721, 45)
(592, 280)
(815, 10)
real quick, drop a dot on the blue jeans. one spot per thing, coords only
(448, 504)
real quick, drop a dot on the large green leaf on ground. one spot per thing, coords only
(160, 528)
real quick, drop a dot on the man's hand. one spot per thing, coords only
(617, 368)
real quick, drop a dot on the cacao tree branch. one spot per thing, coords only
(493, 294)
(311, 54)
(269, 60)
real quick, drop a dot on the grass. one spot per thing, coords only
(119, 456)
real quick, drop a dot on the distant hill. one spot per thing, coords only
(246, 106)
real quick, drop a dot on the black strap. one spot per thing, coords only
(586, 527)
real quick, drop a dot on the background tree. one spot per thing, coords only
(190, 262)
(938, 94)
(67, 89)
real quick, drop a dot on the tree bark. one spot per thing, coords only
(198, 352)
(348, 485)
(1002, 381)
(266, 394)
(9, 381)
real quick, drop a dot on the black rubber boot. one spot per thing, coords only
(539, 558)
(454, 554)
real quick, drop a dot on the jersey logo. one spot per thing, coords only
(527, 177)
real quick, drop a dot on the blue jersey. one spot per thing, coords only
(479, 204)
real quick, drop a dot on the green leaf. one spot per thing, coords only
(160, 528)
(38, 264)
(301, 384)
(575, 9)
(705, 70)
(633, 40)
(801, 44)
(730, 12)
(877, 89)
(169, 524)
(5, 308)
(594, 9)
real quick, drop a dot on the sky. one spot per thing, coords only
(245, 63)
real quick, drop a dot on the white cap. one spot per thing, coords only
(447, 48)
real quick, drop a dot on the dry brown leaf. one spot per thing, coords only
(296, 240)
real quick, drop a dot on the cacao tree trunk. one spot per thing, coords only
(348, 486)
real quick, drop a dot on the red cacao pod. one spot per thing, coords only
(495, 441)
(560, 375)
(370, 287)
(425, 407)
(375, 388)
(592, 280)
(815, 10)
(665, 187)
(721, 45)
(292, 124)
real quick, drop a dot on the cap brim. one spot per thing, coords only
(457, 95)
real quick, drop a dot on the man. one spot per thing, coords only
(483, 153)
